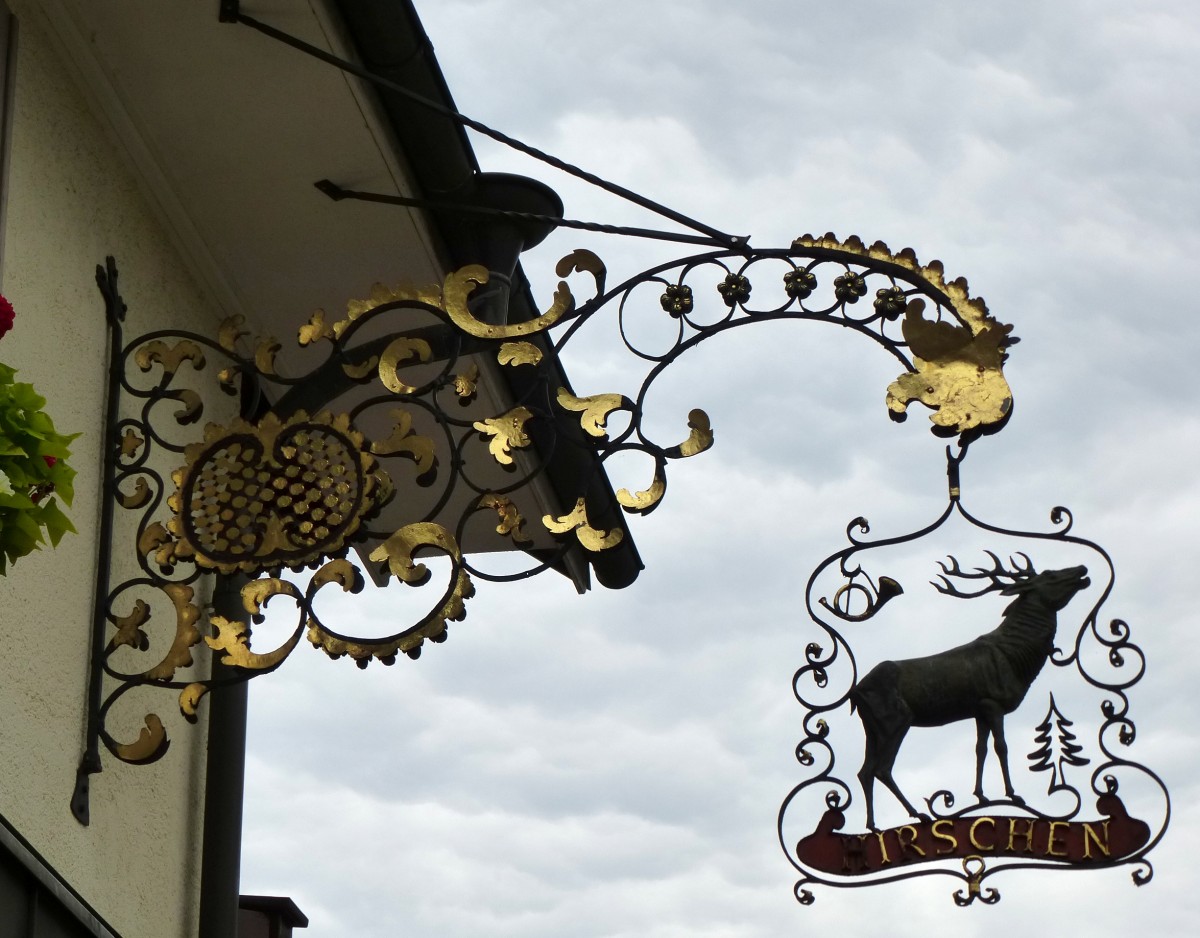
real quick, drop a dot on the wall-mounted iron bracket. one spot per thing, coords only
(387, 445)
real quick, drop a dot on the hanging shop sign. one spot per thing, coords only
(1048, 646)
(427, 426)
(420, 414)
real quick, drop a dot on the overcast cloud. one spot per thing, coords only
(612, 765)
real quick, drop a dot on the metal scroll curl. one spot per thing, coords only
(1100, 808)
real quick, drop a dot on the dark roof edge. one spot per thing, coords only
(391, 41)
(24, 853)
(280, 907)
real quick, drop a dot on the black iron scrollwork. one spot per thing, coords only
(982, 680)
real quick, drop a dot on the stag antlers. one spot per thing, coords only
(996, 576)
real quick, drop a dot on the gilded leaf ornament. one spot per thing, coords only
(130, 444)
(511, 522)
(593, 410)
(129, 627)
(264, 355)
(582, 260)
(189, 700)
(315, 329)
(398, 352)
(187, 614)
(149, 746)
(507, 432)
(959, 372)
(361, 371)
(169, 357)
(577, 520)
(518, 353)
(232, 642)
(230, 331)
(699, 439)
(399, 549)
(139, 497)
(644, 501)
(466, 384)
(403, 440)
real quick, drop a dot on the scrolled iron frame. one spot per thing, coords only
(1116, 728)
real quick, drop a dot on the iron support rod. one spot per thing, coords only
(230, 13)
(337, 193)
(114, 308)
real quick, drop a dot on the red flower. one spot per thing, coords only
(50, 461)
(7, 315)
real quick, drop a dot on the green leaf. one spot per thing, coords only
(54, 521)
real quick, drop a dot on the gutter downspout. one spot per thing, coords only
(225, 773)
(224, 784)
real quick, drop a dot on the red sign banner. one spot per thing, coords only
(1108, 839)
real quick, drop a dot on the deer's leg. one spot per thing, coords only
(890, 748)
(997, 726)
(876, 734)
(982, 729)
(866, 776)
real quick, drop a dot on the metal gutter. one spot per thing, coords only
(391, 41)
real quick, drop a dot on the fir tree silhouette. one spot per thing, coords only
(1056, 748)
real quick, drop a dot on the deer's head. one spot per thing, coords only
(1053, 588)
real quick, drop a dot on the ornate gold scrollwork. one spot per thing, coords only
(959, 371)
(404, 441)
(461, 283)
(519, 353)
(959, 368)
(397, 353)
(507, 433)
(576, 520)
(149, 746)
(399, 552)
(256, 497)
(594, 410)
(642, 502)
(700, 438)
(511, 521)
(466, 383)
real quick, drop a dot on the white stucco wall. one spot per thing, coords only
(73, 200)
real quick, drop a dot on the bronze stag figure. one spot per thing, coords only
(982, 680)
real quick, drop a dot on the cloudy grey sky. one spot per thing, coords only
(611, 765)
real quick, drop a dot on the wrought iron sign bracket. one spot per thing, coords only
(301, 484)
